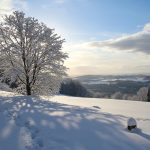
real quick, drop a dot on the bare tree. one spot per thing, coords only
(30, 53)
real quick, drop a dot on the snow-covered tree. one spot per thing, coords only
(31, 55)
(117, 95)
(142, 94)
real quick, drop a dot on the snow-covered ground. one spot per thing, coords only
(67, 123)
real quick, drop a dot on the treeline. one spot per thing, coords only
(143, 94)
(75, 88)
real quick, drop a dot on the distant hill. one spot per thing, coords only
(111, 79)
(107, 85)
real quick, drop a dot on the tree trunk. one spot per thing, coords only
(148, 94)
(28, 89)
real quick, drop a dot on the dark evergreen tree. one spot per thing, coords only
(73, 88)
(148, 94)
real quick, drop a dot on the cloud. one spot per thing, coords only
(84, 61)
(7, 6)
(111, 56)
(137, 42)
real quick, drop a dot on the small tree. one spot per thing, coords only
(117, 95)
(142, 94)
(30, 54)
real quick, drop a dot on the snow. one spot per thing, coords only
(132, 122)
(71, 123)
(5, 87)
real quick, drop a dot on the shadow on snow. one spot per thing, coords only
(48, 125)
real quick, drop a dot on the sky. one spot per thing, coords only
(104, 37)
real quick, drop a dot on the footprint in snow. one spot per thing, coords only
(10, 114)
(25, 139)
(56, 143)
(34, 131)
(39, 142)
(20, 121)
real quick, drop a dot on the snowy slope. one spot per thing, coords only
(67, 123)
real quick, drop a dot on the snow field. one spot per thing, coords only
(67, 123)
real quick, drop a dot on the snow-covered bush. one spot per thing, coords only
(117, 95)
(142, 94)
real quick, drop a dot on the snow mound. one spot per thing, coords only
(132, 122)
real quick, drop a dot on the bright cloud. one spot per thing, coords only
(7, 6)
(137, 42)
(114, 56)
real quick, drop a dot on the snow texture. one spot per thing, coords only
(5, 87)
(132, 122)
(67, 123)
